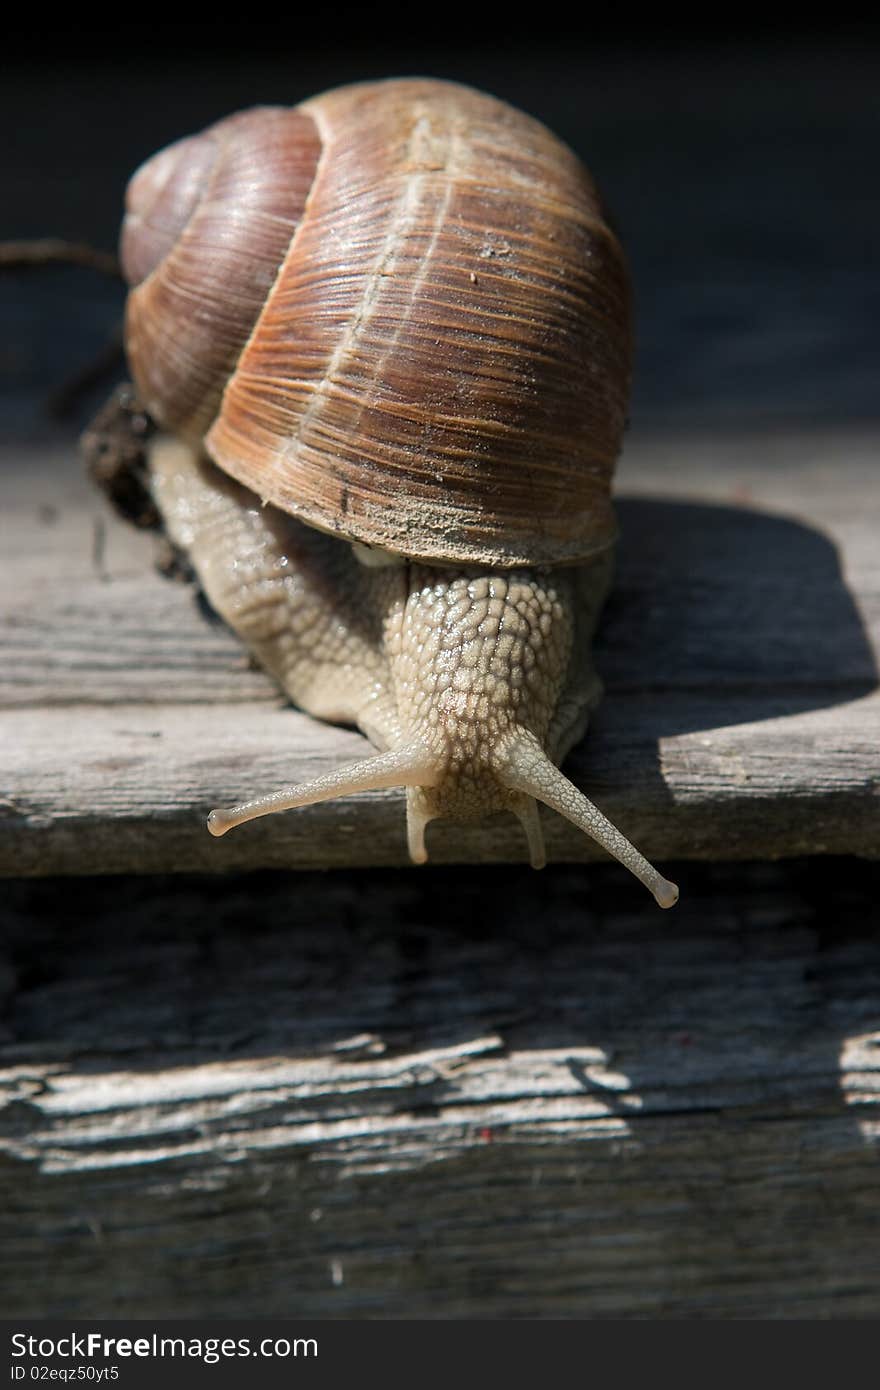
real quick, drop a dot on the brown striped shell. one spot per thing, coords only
(395, 311)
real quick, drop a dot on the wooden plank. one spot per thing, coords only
(739, 651)
(479, 1093)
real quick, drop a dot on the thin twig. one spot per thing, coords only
(43, 251)
(40, 252)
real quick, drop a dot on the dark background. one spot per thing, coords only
(738, 158)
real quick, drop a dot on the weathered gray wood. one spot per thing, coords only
(482, 1093)
(739, 651)
(129, 789)
(478, 1092)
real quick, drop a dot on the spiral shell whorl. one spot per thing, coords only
(208, 223)
(160, 199)
(397, 312)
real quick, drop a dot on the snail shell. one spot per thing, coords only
(397, 312)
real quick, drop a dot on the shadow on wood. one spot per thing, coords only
(738, 718)
(732, 604)
(480, 1093)
(724, 616)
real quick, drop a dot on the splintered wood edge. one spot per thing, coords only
(415, 1086)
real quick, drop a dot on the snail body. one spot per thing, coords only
(386, 335)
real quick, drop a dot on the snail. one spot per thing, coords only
(386, 337)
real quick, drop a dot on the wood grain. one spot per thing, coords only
(473, 1091)
(739, 652)
(463, 1093)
